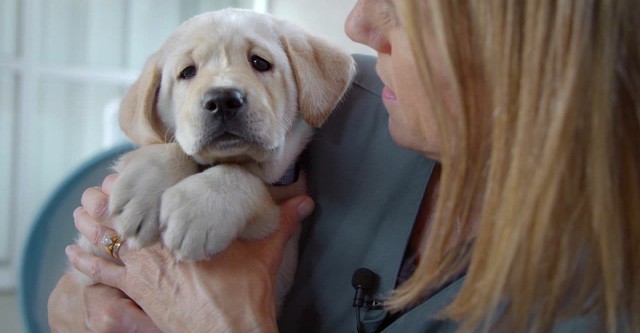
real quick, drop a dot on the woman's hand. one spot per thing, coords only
(75, 307)
(233, 291)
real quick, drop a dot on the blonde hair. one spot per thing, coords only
(548, 148)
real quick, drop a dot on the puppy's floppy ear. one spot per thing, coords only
(322, 73)
(139, 118)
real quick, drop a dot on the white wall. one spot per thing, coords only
(322, 17)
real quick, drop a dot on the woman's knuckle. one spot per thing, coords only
(113, 312)
(95, 202)
(101, 320)
(107, 324)
(101, 208)
(96, 236)
(95, 271)
(114, 316)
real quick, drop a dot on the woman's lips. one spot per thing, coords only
(388, 95)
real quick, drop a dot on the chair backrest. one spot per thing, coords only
(43, 260)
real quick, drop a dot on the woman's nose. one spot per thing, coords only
(361, 26)
(355, 25)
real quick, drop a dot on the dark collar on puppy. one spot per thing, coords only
(290, 176)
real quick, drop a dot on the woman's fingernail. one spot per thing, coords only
(76, 211)
(68, 250)
(305, 207)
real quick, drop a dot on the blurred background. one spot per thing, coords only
(64, 65)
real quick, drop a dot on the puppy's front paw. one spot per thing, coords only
(204, 213)
(135, 198)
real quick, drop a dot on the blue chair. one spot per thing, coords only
(43, 261)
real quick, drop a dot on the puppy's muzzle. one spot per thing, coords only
(223, 103)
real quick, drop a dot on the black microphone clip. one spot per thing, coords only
(365, 281)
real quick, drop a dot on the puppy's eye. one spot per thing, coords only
(260, 64)
(188, 72)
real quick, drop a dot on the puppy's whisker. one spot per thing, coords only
(168, 136)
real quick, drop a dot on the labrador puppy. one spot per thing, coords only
(220, 113)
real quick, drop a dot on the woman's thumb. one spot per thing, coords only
(293, 211)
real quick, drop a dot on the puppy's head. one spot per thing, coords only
(231, 84)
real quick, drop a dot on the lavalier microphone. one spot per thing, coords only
(364, 281)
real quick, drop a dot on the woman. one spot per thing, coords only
(531, 109)
(538, 102)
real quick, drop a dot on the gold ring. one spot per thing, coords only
(112, 243)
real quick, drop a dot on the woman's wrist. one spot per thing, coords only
(233, 305)
(258, 315)
(260, 322)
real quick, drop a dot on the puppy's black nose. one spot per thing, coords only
(223, 102)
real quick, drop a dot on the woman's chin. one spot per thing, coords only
(409, 140)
